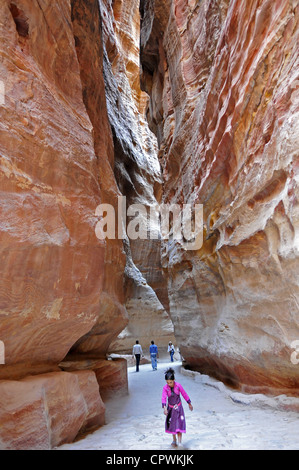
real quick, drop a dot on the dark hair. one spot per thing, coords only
(137, 341)
(152, 342)
(169, 374)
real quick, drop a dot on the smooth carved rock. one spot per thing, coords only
(224, 105)
(137, 172)
(57, 278)
(44, 411)
(60, 287)
(111, 375)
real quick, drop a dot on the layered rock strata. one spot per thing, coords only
(138, 174)
(73, 136)
(58, 282)
(111, 375)
(223, 81)
(46, 410)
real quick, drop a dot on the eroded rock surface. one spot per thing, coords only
(223, 82)
(138, 174)
(59, 283)
(54, 269)
(73, 135)
(43, 411)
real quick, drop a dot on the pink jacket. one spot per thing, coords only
(178, 389)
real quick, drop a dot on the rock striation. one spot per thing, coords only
(223, 82)
(73, 136)
(138, 174)
(43, 411)
(58, 282)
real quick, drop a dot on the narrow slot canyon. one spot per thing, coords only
(117, 116)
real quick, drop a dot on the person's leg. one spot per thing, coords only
(156, 361)
(179, 437)
(153, 360)
(174, 442)
(137, 362)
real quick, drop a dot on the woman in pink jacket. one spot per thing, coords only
(175, 423)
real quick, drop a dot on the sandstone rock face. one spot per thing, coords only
(54, 270)
(224, 106)
(148, 318)
(73, 136)
(43, 411)
(61, 288)
(111, 375)
(138, 174)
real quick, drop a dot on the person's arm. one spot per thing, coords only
(186, 396)
(164, 400)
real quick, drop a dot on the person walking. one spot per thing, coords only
(171, 350)
(175, 423)
(137, 352)
(153, 349)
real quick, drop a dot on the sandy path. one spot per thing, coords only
(136, 422)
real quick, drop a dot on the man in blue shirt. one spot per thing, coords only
(154, 353)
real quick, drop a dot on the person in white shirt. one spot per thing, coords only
(171, 350)
(137, 352)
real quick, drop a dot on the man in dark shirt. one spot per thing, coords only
(154, 353)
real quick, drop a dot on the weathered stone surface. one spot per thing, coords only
(137, 172)
(57, 278)
(95, 407)
(148, 318)
(224, 105)
(60, 287)
(22, 415)
(41, 412)
(111, 375)
(87, 29)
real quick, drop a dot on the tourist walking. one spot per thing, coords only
(153, 349)
(175, 423)
(137, 352)
(171, 350)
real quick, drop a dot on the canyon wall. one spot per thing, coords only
(223, 80)
(58, 281)
(138, 174)
(73, 136)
